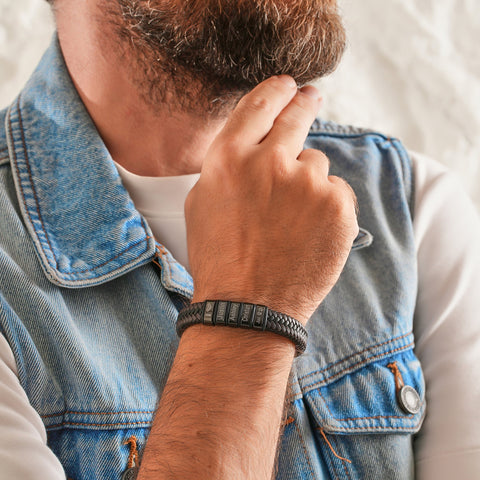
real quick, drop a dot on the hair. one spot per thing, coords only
(224, 47)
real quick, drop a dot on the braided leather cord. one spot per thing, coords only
(288, 327)
(276, 322)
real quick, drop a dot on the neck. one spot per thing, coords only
(146, 140)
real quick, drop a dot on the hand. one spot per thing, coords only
(265, 222)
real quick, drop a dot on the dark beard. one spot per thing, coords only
(203, 55)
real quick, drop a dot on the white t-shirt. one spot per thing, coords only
(161, 201)
(446, 326)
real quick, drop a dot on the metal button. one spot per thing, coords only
(409, 400)
(130, 474)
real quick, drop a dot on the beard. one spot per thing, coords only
(202, 56)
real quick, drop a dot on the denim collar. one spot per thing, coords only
(83, 223)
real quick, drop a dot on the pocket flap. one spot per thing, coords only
(368, 399)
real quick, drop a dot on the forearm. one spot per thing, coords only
(221, 410)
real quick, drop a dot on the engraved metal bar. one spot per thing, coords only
(233, 314)
(221, 313)
(208, 313)
(246, 315)
(260, 319)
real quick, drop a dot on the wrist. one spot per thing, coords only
(211, 344)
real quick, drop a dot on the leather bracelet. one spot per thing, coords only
(243, 315)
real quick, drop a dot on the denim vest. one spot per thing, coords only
(89, 300)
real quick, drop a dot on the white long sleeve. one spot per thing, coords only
(24, 454)
(447, 324)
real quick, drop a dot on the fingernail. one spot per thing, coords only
(288, 80)
(311, 92)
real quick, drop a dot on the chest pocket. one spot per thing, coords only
(359, 424)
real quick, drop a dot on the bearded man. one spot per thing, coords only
(132, 346)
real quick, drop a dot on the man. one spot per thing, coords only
(90, 290)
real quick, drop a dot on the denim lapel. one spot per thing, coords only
(82, 221)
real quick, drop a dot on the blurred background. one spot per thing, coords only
(412, 70)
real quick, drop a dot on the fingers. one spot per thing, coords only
(256, 112)
(340, 182)
(292, 125)
(275, 116)
(316, 160)
(318, 166)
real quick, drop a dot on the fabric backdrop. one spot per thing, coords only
(412, 70)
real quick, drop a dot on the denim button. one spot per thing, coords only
(409, 400)
(130, 474)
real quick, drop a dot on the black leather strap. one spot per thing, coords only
(243, 315)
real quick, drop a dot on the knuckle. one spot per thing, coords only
(230, 147)
(343, 204)
(290, 122)
(338, 201)
(278, 154)
(322, 157)
(319, 160)
(277, 162)
(259, 103)
(231, 151)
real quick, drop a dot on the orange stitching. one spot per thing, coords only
(133, 455)
(352, 367)
(161, 249)
(355, 354)
(359, 418)
(365, 361)
(343, 463)
(347, 429)
(289, 420)
(397, 374)
(366, 418)
(331, 448)
(304, 449)
(69, 412)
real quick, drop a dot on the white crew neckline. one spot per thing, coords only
(161, 201)
(158, 196)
